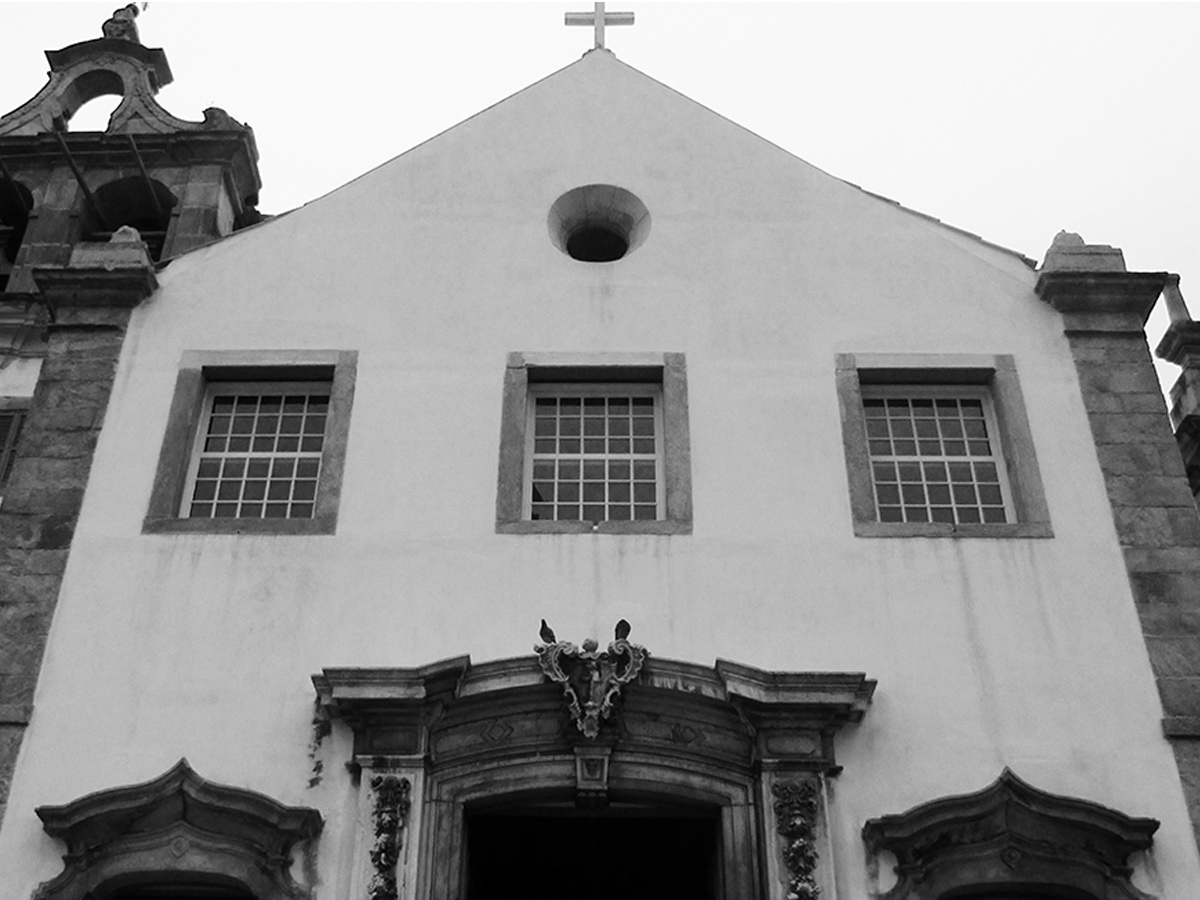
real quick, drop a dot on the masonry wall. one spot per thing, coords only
(1025, 653)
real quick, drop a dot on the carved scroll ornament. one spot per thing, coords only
(591, 678)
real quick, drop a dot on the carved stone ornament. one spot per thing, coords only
(591, 678)
(796, 822)
(177, 826)
(1011, 837)
(390, 816)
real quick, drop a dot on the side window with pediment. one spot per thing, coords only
(1011, 840)
(177, 836)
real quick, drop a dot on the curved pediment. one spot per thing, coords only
(177, 824)
(1011, 834)
(729, 714)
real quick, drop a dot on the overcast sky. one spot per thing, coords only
(1009, 120)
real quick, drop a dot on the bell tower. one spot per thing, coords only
(180, 184)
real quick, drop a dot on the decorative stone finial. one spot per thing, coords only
(1069, 253)
(121, 24)
(591, 678)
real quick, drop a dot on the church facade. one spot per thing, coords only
(594, 498)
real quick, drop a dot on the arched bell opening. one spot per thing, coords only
(16, 204)
(141, 203)
(89, 86)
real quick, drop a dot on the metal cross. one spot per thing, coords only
(599, 18)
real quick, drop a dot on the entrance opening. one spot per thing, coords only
(160, 890)
(627, 853)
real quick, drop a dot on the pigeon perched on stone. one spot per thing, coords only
(622, 630)
(547, 634)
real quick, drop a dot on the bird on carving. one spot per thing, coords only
(547, 634)
(622, 630)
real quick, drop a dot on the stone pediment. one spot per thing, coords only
(1011, 834)
(177, 823)
(728, 714)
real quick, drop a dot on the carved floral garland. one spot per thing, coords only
(796, 815)
(391, 812)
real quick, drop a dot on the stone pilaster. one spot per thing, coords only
(90, 306)
(1104, 310)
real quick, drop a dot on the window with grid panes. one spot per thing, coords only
(935, 455)
(595, 453)
(258, 451)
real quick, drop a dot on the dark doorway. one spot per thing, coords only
(160, 890)
(589, 857)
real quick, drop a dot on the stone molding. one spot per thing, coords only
(727, 714)
(1011, 835)
(178, 824)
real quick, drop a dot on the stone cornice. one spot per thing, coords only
(777, 718)
(1180, 344)
(1122, 297)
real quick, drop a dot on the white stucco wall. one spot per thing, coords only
(1025, 653)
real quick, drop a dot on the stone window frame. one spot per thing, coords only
(666, 369)
(19, 408)
(197, 370)
(997, 373)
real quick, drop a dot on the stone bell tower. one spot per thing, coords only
(180, 184)
(86, 219)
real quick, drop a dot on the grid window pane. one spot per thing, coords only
(934, 458)
(595, 456)
(259, 455)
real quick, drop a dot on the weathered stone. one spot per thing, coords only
(1169, 618)
(67, 346)
(1180, 694)
(1166, 587)
(32, 497)
(55, 444)
(31, 562)
(1162, 559)
(1122, 428)
(1149, 490)
(1137, 402)
(87, 394)
(1176, 655)
(1140, 459)
(1157, 527)
(28, 589)
(1123, 378)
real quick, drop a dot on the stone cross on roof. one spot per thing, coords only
(599, 18)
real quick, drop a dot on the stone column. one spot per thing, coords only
(1104, 309)
(89, 305)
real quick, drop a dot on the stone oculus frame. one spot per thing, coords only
(997, 373)
(667, 369)
(197, 370)
(722, 740)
